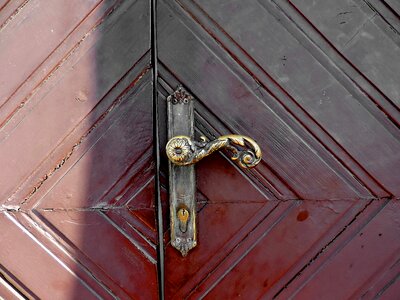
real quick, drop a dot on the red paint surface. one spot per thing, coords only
(317, 219)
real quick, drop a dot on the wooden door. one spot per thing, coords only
(77, 202)
(316, 84)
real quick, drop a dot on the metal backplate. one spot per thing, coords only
(182, 181)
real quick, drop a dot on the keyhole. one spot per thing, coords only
(183, 217)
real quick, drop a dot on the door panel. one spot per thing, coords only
(328, 101)
(324, 192)
(77, 180)
(281, 137)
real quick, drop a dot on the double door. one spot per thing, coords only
(84, 177)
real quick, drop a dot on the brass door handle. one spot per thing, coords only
(183, 152)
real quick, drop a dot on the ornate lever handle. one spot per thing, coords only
(183, 151)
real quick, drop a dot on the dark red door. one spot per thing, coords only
(314, 82)
(76, 180)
